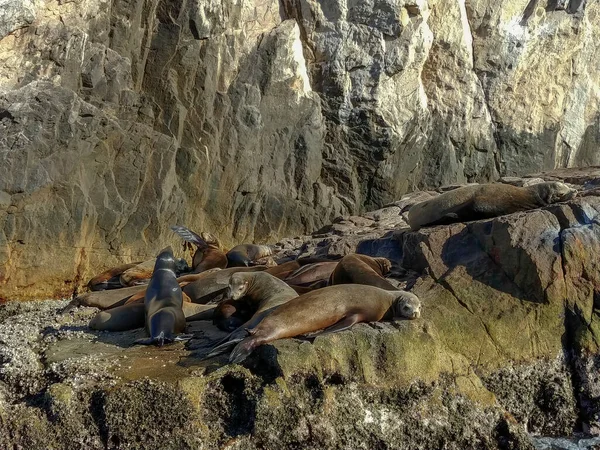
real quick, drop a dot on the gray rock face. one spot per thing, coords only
(15, 15)
(259, 119)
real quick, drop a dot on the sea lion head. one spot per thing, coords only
(554, 192)
(407, 305)
(211, 241)
(224, 317)
(165, 260)
(238, 286)
(385, 264)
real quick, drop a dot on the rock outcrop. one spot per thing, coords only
(507, 349)
(256, 120)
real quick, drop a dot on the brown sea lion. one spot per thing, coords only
(311, 287)
(261, 290)
(311, 273)
(485, 201)
(208, 253)
(231, 314)
(245, 254)
(285, 269)
(281, 271)
(132, 316)
(208, 286)
(109, 279)
(332, 309)
(106, 299)
(163, 303)
(138, 274)
(362, 269)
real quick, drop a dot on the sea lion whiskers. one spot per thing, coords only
(406, 305)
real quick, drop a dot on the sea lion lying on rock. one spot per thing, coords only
(334, 308)
(109, 279)
(311, 273)
(362, 269)
(485, 201)
(245, 254)
(263, 291)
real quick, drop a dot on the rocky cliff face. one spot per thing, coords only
(258, 119)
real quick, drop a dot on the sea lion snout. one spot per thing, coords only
(408, 306)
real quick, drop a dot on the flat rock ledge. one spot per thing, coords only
(507, 350)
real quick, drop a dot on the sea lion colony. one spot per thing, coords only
(244, 291)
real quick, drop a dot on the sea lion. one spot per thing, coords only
(230, 314)
(163, 303)
(208, 286)
(362, 269)
(132, 316)
(332, 309)
(109, 279)
(203, 287)
(138, 274)
(106, 299)
(311, 287)
(285, 269)
(208, 253)
(265, 292)
(281, 271)
(245, 254)
(312, 273)
(485, 201)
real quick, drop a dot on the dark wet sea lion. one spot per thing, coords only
(245, 254)
(485, 201)
(332, 309)
(362, 269)
(163, 303)
(109, 279)
(262, 290)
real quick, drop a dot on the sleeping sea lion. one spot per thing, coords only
(208, 253)
(109, 279)
(105, 299)
(163, 303)
(245, 254)
(264, 292)
(485, 201)
(334, 308)
(207, 287)
(138, 274)
(362, 269)
(311, 273)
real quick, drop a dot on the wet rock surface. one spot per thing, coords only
(505, 354)
(263, 119)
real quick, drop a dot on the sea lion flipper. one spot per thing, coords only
(222, 348)
(188, 235)
(183, 337)
(146, 341)
(342, 325)
(242, 350)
